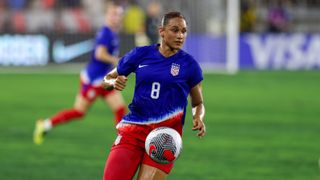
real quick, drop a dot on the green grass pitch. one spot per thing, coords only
(260, 125)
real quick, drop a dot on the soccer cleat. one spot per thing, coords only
(39, 132)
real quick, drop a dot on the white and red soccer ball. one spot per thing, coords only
(163, 145)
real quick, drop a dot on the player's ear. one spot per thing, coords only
(161, 31)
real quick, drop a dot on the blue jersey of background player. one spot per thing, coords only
(96, 69)
(165, 77)
(104, 57)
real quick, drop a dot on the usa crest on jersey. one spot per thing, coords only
(175, 69)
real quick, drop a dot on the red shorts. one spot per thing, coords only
(90, 92)
(128, 150)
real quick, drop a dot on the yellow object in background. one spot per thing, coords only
(133, 21)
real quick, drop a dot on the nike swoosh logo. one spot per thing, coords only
(141, 66)
(62, 53)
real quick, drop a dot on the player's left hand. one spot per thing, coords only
(120, 83)
(198, 125)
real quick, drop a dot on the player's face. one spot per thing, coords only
(114, 16)
(174, 33)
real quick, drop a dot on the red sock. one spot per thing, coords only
(66, 116)
(119, 113)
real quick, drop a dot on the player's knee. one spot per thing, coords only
(148, 173)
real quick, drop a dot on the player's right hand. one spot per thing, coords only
(120, 83)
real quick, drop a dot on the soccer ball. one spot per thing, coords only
(163, 145)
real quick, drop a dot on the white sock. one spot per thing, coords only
(47, 124)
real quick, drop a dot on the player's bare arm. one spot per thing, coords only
(198, 110)
(102, 54)
(113, 81)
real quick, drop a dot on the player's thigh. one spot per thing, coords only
(122, 162)
(114, 100)
(81, 103)
(151, 173)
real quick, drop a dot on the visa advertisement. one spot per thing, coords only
(259, 51)
(280, 51)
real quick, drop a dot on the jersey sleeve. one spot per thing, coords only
(128, 63)
(196, 75)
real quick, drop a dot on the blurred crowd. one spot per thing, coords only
(142, 16)
(81, 16)
(43, 15)
(276, 16)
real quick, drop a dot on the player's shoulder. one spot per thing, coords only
(187, 57)
(144, 49)
(138, 52)
(106, 29)
(103, 31)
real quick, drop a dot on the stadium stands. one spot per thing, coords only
(84, 16)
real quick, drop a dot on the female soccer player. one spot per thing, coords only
(165, 76)
(104, 57)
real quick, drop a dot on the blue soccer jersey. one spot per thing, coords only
(96, 70)
(162, 84)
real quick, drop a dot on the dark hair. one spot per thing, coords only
(170, 15)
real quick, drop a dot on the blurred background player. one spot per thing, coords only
(165, 76)
(104, 58)
(247, 16)
(152, 21)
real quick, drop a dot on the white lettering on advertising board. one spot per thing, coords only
(26, 50)
(292, 52)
